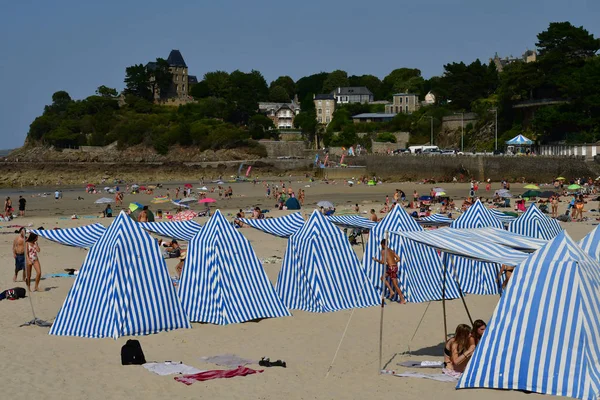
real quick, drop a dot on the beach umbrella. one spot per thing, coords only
(178, 203)
(504, 195)
(135, 206)
(90, 185)
(104, 200)
(134, 186)
(186, 215)
(188, 185)
(203, 188)
(573, 187)
(531, 186)
(560, 178)
(207, 200)
(142, 187)
(438, 189)
(531, 193)
(325, 204)
(547, 194)
(438, 194)
(425, 198)
(186, 200)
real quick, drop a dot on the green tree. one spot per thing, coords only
(401, 80)
(371, 82)
(335, 79)
(60, 102)
(200, 90)
(287, 83)
(386, 137)
(278, 94)
(563, 41)
(105, 91)
(310, 85)
(261, 127)
(137, 82)
(218, 83)
(160, 78)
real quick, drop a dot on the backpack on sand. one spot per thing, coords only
(132, 354)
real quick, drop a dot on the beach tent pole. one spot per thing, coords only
(35, 320)
(444, 298)
(387, 237)
(462, 297)
(362, 241)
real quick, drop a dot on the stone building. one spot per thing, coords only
(282, 114)
(324, 107)
(406, 103)
(500, 63)
(180, 87)
(353, 94)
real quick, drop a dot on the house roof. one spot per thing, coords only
(266, 106)
(324, 97)
(192, 79)
(405, 94)
(374, 115)
(176, 59)
(352, 90)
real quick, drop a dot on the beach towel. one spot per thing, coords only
(216, 374)
(227, 360)
(421, 364)
(170, 368)
(59, 275)
(435, 377)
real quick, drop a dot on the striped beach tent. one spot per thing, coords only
(476, 277)
(123, 288)
(519, 140)
(544, 334)
(435, 219)
(180, 230)
(591, 243)
(352, 221)
(223, 282)
(505, 219)
(420, 272)
(505, 238)
(535, 224)
(321, 272)
(284, 226)
(83, 236)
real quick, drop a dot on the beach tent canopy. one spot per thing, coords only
(591, 243)
(519, 140)
(505, 238)
(292, 204)
(223, 282)
(535, 224)
(543, 335)
(284, 226)
(352, 221)
(505, 219)
(83, 236)
(476, 277)
(420, 271)
(435, 219)
(320, 271)
(123, 288)
(180, 230)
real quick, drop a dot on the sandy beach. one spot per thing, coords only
(37, 365)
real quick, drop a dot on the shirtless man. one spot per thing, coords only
(143, 216)
(391, 270)
(373, 216)
(19, 253)
(508, 271)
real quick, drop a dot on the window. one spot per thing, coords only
(320, 103)
(177, 78)
(320, 119)
(327, 111)
(406, 109)
(177, 88)
(183, 88)
(327, 119)
(407, 100)
(397, 110)
(400, 100)
(319, 111)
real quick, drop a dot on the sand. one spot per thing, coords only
(37, 365)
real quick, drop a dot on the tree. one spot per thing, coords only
(386, 137)
(247, 89)
(161, 78)
(402, 80)
(287, 83)
(564, 41)
(335, 79)
(137, 82)
(200, 90)
(218, 83)
(278, 94)
(371, 82)
(261, 127)
(306, 121)
(310, 85)
(60, 101)
(465, 83)
(105, 91)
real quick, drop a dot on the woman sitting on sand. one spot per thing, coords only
(478, 331)
(458, 351)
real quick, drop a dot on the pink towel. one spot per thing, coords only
(215, 374)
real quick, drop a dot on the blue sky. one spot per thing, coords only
(79, 45)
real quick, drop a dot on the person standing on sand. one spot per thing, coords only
(390, 259)
(33, 262)
(19, 254)
(8, 207)
(22, 203)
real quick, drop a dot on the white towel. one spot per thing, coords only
(170, 367)
(435, 377)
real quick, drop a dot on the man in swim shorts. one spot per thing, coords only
(391, 270)
(19, 253)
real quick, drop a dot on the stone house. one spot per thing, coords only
(406, 103)
(180, 87)
(282, 114)
(324, 107)
(352, 94)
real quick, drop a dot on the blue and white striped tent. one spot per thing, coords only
(223, 282)
(352, 221)
(476, 277)
(420, 273)
(83, 236)
(320, 271)
(284, 226)
(505, 219)
(535, 224)
(519, 140)
(180, 230)
(591, 243)
(505, 238)
(435, 219)
(123, 288)
(544, 334)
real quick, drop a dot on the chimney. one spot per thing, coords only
(339, 90)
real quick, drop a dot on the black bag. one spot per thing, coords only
(13, 294)
(132, 354)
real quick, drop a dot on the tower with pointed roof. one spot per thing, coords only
(180, 87)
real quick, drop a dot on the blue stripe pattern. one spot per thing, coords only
(477, 277)
(420, 272)
(180, 230)
(352, 221)
(223, 282)
(436, 219)
(535, 224)
(591, 243)
(505, 219)
(123, 288)
(321, 272)
(83, 236)
(505, 238)
(544, 335)
(519, 140)
(284, 226)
